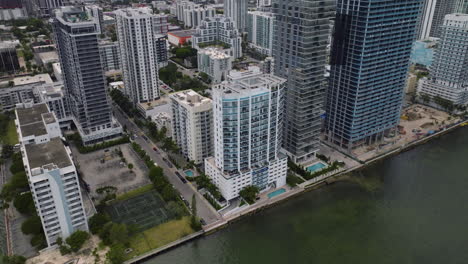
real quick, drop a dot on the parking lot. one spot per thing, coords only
(107, 168)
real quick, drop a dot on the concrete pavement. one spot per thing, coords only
(204, 209)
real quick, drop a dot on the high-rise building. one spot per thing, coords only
(300, 41)
(368, 71)
(426, 19)
(461, 7)
(192, 124)
(77, 30)
(237, 11)
(260, 31)
(248, 115)
(52, 176)
(449, 71)
(110, 55)
(161, 50)
(137, 32)
(193, 16)
(442, 8)
(8, 57)
(218, 31)
(215, 63)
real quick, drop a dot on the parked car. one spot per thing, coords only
(145, 138)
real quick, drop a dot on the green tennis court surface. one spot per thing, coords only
(144, 211)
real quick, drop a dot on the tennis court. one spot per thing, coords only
(144, 211)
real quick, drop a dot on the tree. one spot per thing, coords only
(97, 222)
(116, 254)
(194, 205)
(77, 239)
(130, 166)
(176, 208)
(118, 234)
(24, 203)
(39, 241)
(32, 225)
(15, 259)
(249, 193)
(168, 193)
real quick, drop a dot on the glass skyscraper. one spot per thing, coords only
(369, 65)
(302, 30)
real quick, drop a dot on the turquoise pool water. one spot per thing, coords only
(277, 192)
(189, 173)
(316, 167)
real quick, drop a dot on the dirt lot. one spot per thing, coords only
(106, 168)
(417, 121)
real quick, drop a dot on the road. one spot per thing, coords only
(204, 209)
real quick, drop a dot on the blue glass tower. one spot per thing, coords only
(369, 64)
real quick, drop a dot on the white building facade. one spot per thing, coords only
(137, 32)
(260, 31)
(248, 116)
(237, 11)
(52, 176)
(215, 63)
(192, 123)
(449, 71)
(218, 31)
(193, 16)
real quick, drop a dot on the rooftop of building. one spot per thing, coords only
(52, 152)
(32, 79)
(214, 53)
(30, 120)
(9, 44)
(182, 33)
(75, 14)
(190, 98)
(135, 11)
(245, 80)
(152, 104)
(48, 56)
(457, 17)
(50, 90)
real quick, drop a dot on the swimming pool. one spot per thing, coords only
(275, 193)
(189, 173)
(316, 167)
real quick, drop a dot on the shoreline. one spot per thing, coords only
(305, 187)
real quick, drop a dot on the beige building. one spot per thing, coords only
(192, 123)
(411, 83)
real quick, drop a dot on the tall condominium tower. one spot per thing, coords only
(368, 71)
(300, 41)
(192, 124)
(137, 30)
(442, 8)
(77, 30)
(461, 6)
(237, 11)
(52, 176)
(260, 31)
(427, 16)
(449, 71)
(248, 116)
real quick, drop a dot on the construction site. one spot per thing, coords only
(417, 121)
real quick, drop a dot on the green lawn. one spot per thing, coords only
(159, 236)
(135, 192)
(10, 138)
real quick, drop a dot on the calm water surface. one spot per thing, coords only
(412, 208)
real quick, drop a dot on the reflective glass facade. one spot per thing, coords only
(369, 65)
